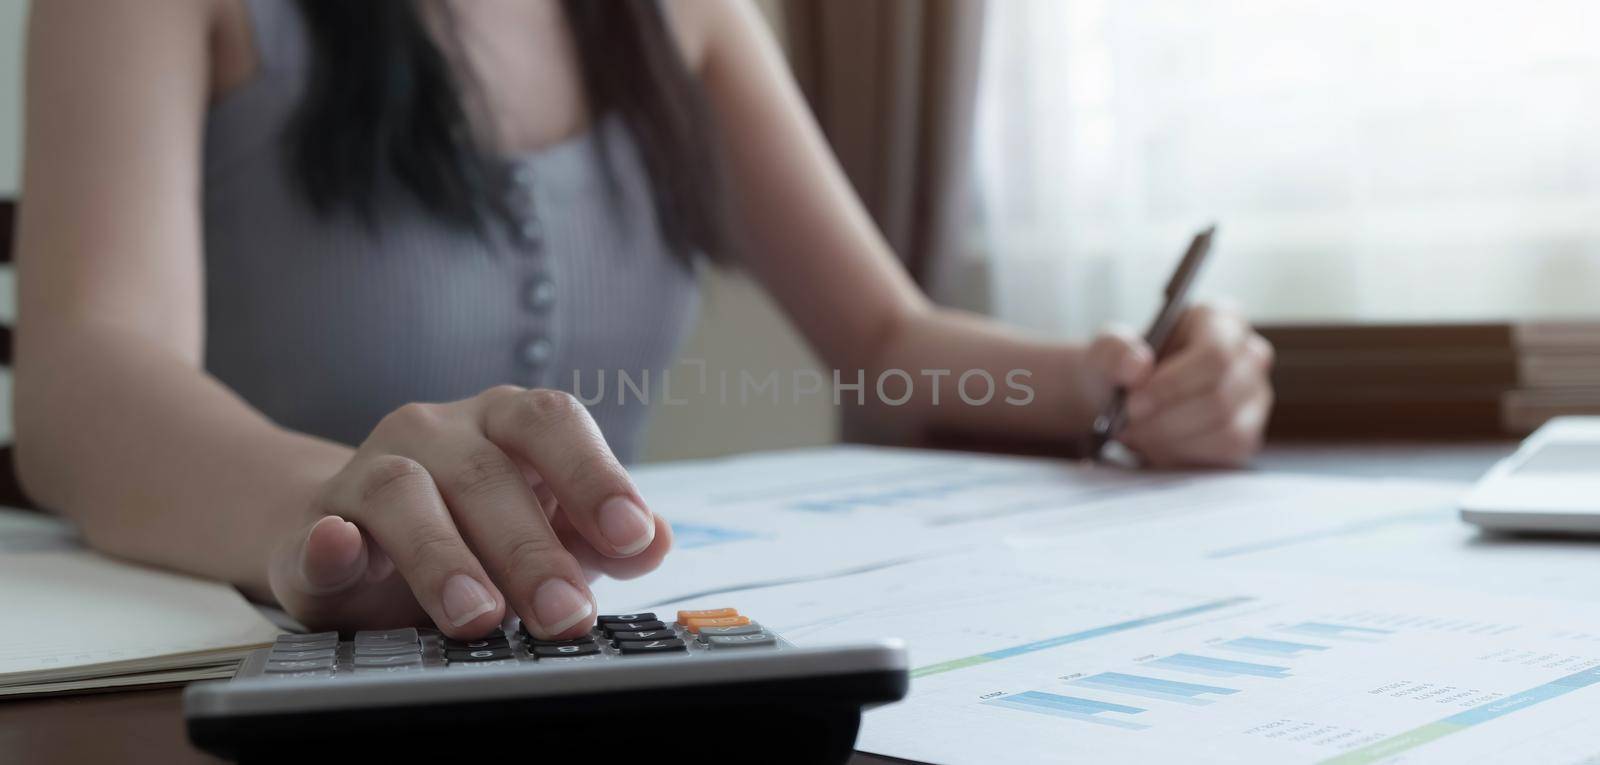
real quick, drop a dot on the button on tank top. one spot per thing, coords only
(326, 324)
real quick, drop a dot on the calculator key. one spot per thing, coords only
(557, 651)
(744, 629)
(574, 641)
(314, 645)
(299, 666)
(279, 654)
(571, 659)
(388, 661)
(645, 626)
(645, 635)
(634, 647)
(310, 637)
(523, 630)
(695, 625)
(386, 649)
(480, 654)
(752, 640)
(713, 613)
(373, 637)
(644, 617)
(473, 645)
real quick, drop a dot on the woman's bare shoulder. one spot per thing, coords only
(61, 21)
(698, 23)
(705, 26)
(90, 30)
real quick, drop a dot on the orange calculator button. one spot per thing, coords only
(694, 625)
(714, 613)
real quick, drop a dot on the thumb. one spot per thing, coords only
(329, 575)
(332, 557)
(1119, 358)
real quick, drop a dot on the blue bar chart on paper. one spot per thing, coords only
(1155, 688)
(1338, 631)
(1071, 707)
(1266, 647)
(867, 499)
(691, 536)
(1244, 692)
(1113, 663)
(1206, 665)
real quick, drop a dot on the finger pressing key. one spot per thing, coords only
(502, 521)
(553, 433)
(399, 505)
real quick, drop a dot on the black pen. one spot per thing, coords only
(1174, 300)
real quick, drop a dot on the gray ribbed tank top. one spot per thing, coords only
(326, 325)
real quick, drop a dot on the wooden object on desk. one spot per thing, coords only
(1443, 380)
(132, 726)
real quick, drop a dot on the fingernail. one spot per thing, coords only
(329, 573)
(626, 526)
(1139, 406)
(558, 605)
(465, 599)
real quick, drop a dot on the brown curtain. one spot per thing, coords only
(892, 83)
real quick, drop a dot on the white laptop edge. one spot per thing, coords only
(1551, 483)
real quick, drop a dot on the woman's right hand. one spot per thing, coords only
(451, 512)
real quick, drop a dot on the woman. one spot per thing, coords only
(258, 234)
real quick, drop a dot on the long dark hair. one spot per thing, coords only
(383, 97)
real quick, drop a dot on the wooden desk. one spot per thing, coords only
(148, 725)
(143, 726)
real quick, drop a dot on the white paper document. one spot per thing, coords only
(791, 516)
(1058, 612)
(1021, 658)
(73, 620)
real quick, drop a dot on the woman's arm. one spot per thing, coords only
(451, 513)
(816, 250)
(118, 427)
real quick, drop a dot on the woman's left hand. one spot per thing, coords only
(1207, 401)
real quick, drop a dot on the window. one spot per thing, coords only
(1368, 159)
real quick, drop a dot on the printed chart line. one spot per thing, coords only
(1344, 530)
(1461, 721)
(1076, 637)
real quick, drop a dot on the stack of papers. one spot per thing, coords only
(73, 620)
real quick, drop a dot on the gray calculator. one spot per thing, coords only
(635, 681)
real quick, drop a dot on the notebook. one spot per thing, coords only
(73, 620)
